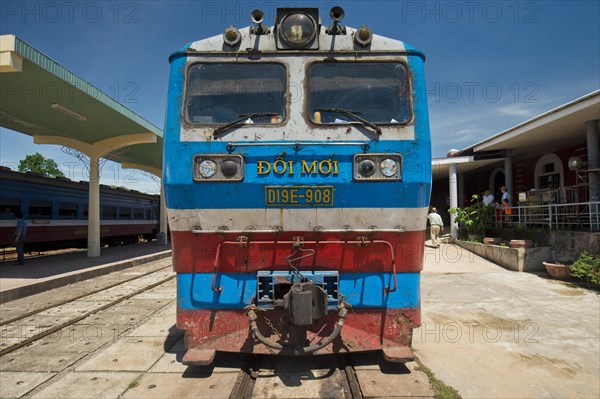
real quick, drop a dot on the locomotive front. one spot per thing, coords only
(297, 179)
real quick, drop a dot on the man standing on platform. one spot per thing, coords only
(20, 232)
(437, 225)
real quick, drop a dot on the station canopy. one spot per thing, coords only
(43, 99)
(551, 131)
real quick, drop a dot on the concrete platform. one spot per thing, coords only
(494, 333)
(487, 332)
(48, 272)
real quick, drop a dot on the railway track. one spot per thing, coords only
(340, 381)
(66, 356)
(244, 384)
(30, 326)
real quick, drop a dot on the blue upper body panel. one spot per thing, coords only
(183, 193)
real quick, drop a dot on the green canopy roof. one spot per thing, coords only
(40, 97)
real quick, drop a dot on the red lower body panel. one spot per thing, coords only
(196, 253)
(364, 330)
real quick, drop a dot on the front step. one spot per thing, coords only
(400, 354)
(198, 357)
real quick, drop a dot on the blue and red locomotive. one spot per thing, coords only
(297, 179)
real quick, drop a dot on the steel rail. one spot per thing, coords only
(350, 377)
(244, 384)
(81, 317)
(44, 308)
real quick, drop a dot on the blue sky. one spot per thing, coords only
(490, 64)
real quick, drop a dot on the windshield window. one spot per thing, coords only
(222, 93)
(376, 92)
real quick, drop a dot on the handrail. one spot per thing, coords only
(277, 229)
(297, 144)
(554, 215)
(361, 241)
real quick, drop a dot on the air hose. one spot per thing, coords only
(342, 313)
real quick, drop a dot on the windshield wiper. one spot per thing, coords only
(241, 120)
(354, 115)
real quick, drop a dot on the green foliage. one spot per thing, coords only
(38, 164)
(587, 267)
(441, 390)
(476, 218)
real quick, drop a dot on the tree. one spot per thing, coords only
(38, 164)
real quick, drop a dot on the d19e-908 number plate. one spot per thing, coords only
(291, 196)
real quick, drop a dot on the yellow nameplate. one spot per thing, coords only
(299, 195)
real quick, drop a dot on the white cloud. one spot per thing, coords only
(518, 110)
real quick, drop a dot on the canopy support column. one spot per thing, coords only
(593, 158)
(453, 189)
(95, 151)
(94, 208)
(508, 174)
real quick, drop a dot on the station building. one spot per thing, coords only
(550, 165)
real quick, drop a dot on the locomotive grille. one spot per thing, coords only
(273, 285)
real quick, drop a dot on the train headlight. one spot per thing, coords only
(207, 168)
(297, 28)
(366, 168)
(218, 167)
(388, 167)
(229, 168)
(374, 167)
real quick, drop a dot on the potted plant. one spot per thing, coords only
(492, 240)
(558, 270)
(475, 218)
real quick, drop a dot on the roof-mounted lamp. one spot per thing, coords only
(232, 36)
(363, 36)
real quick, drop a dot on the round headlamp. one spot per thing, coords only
(229, 168)
(389, 167)
(366, 168)
(207, 168)
(298, 30)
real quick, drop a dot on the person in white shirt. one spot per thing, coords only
(436, 226)
(488, 198)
